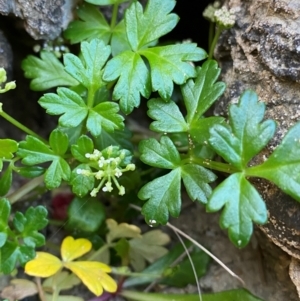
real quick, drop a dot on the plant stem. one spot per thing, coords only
(219, 166)
(19, 193)
(211, 33)
(114, 16)
(55, 289)
(21, 126)
(214, 42)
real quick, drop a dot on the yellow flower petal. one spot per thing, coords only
(43, 265)
(93, 275)
(73, 248)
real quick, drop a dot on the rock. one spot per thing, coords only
(43, 19)
(262, 53)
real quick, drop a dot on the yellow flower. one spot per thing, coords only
(92, 273)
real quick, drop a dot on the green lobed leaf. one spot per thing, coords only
(88, 68)
(283, 166)
(170, 64)
(201, 93)
(199, 128)
(92, 24)
(84, 145)
(81, 184)
(4, 216)
(30, 171)
(162, 154)
(163, 197)
(232, 295)
(11, 253)
(167, 115)
(46, 72)
(85, 214)
(59, 142)
(133, 79)
(66, 103)
(120, 138)
(196, 179)
(5, 181)
(242, 206)
(248, 134)
(28, 225)
(144, 27)
(104, 115)
(7, 148)
(33, 151)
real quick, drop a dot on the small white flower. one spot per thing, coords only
(94, 192)
(224, 17)
(108, 187)
(121, 190)
(118, 172)
(130, 166)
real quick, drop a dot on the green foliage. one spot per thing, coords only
(19, 240)
(46, 72)
(92, 146)
(85, 215)
(247, 135)
(168, 64)
(233, 295)
(34, 151)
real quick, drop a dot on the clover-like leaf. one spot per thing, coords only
(27, 225)
(201, 93)
(283, 166)
(167, 115)
(168, 64)
(44, 265)
(46, 72)
(163, 197)
(196, 179)
(93, 274)
(242, 206)
(33, 151)
(161, 154)
(87, 69)
(12, 253)
(248, 134)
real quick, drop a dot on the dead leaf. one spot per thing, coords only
(19, 289)
(149, 248)
(122, 230)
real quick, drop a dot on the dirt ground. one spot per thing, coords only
(262, 266)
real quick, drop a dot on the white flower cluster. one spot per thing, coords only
(209, 12)
(224, 18)
(110, 168)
